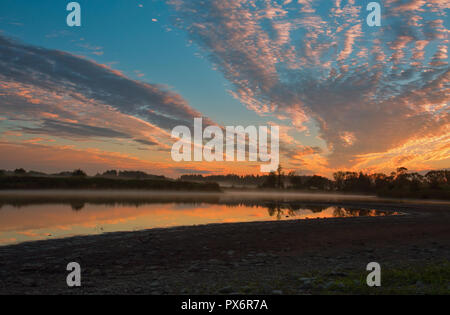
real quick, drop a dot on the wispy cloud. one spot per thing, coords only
(61, 128)
(64, 95)
(369, 90)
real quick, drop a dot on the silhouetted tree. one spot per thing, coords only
(20, 171)
(364, 183)
(79, 173)
(298, 182)
(339, 180)
(111, 173)
(402, 171)
(416, 182)
(271, 181)
(280, 176)
(436, 179)
(77, 206)
(318, 182)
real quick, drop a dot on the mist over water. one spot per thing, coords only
(40, 215)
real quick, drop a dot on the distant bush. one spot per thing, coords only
(138, 175)
(81, 182)
(111, 173)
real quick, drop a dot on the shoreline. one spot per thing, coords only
(285, 201)
(208, 259)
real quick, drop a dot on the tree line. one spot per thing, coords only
(401, 183)
(80, 173)
(78, 179)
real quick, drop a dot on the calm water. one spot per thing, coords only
(38, 216)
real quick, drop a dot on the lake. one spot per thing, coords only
(41, 215)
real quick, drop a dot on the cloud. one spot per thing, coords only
(66, 97)
(145, 142)
(60, 128)
(368, 90)
(46, 77)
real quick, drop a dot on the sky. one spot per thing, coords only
(107, 95)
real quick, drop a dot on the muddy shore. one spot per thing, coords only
(288, 257)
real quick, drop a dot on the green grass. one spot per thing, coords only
(429, 279)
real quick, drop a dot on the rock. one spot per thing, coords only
(230, 253)
(277, 292)
(155, 284)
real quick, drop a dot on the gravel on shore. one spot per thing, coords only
(288, 257)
